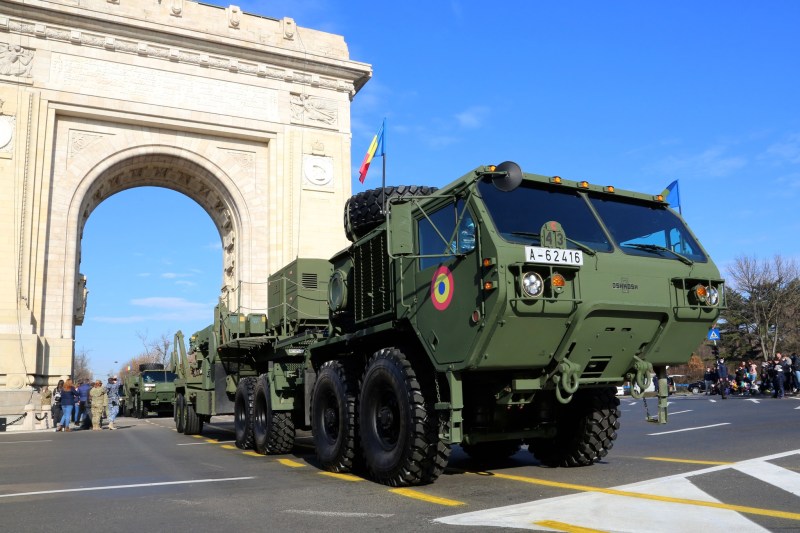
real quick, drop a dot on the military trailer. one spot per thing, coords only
(150, 391)
(500, 310)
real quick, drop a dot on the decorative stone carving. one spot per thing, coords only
(176, 8)
(234, 16)
(8, 125)
(81, 295)
(317, 170)
(317, 147)
(289, 28)
(80, 140)
(228, 240)
(15, 61)
(307, 109)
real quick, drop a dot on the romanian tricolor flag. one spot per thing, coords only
(377, 142)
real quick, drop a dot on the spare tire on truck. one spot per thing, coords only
(150, 366)
(363, 212)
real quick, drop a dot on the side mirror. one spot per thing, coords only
(507, 176)
(400, 229)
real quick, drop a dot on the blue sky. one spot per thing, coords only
(628, 93)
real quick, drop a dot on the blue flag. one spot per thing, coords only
(672, 188)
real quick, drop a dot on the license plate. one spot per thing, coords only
(553, 256)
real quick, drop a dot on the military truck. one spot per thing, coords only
(500, 310)
(150, 391)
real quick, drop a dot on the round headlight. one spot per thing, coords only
(337, 292)
(532, 284)
(713, 296)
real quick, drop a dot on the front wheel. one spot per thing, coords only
(398, 425)
(585, 430)
(192, 423)
(178, 413)
(273, 431)
(243, 413)
(333, 417)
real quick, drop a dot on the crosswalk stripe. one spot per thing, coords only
(772, 474)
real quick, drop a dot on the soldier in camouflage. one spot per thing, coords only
(112, 391)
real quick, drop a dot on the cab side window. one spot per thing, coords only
(437, 236)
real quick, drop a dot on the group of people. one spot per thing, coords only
(82, 405)
(779, 376)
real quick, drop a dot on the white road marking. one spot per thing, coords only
(115, 487)
(753, 400)
(620, 513)
(690, 429)
(680, 412)
(205, 442)
(25, 441)
(772, 474)
(339, 514)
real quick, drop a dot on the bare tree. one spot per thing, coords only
(769, 296)
(155, 351)
(82, 366)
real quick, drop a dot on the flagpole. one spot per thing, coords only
(383, 165)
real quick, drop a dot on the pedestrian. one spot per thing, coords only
(112, 396)
(69, 397)
(57, 410)
(81, 406)
(778, 378)
(796, 369)
(99, 400)
(722, 377)
(708, 380)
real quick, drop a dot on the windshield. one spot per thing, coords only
(520, 214)
(646, 229)
(158, 376)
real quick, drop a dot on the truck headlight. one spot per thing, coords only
(532, 284)
(713, 296)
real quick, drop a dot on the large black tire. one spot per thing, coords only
(333, 417)
(243, 413)
(273, 431)
(363, 212)
(398, 426)
(141, 411)
(586, 429)
(150, 366)
(178, 414)
(493, 450)
(192, 423)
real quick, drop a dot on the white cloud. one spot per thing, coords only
(712, 162)
(174, 275)
(785, 151)
(162, 308)
(472, 117)
(186, 283)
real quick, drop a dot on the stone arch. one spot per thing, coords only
(175, 168)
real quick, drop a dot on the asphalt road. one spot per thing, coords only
(730, 465)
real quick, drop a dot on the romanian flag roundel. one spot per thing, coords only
(442, 288)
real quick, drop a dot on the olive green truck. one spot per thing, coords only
(500, 310)
(152, 390)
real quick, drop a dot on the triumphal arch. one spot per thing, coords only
(247, 115)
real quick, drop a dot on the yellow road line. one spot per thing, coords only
(688, 461)
(253, 454)
(197, 436)
(290, 463)
(616, 492)
(228, 447)
(213, 441)
(417, 495)
(345, 477)
(567, 528)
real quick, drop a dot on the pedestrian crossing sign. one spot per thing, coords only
(713, 334)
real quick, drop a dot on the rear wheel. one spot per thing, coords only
(243, 413)
(192, 423)
(586, 429)
(178, 415)
(273, 431)
(333, 417)
(398, 427)
(140, 408)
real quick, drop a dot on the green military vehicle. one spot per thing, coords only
(500, 310)
(150, 391)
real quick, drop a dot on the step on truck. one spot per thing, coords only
(500, 310)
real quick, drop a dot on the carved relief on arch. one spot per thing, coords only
(81, 140)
